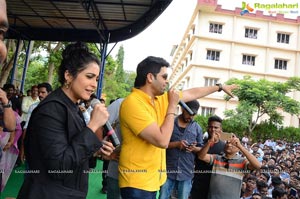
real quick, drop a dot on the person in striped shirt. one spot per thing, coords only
(228, 169)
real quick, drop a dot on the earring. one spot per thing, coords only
(66, 85)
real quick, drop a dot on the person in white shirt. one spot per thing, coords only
(279, 146)
(245, 140)
(27, 102)
(44, 89)
(86, 108)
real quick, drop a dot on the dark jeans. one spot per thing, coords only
(200, 186)
(113, 190)
(133, 193)
(104, 173)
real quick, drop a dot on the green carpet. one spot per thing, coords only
(16, 179)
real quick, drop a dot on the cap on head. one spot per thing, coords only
(193, 105)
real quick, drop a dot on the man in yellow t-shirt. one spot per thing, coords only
(147, 121)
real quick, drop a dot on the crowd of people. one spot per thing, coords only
(279, 172)
(161, 153)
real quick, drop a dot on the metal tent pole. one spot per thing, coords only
(28, 50)
(101, 75)
(15, 62)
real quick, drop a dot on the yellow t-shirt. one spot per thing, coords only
(141, 163)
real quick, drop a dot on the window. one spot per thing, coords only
(280, 64)
(215, 28)
(207, 111)
(213, 55)
(191, 55)
(187, 81)
(249, 60)
(251, 33)
(182, 86)
(210, 81)
(283, 38)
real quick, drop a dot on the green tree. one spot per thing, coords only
(36, 73)
(54, 50)
(202, 121)
(44, 63)
(50, 54)
(46, 58)
(265, 130)
(117, 82)
(129, 81)
(110, 86)
(260, 98)
(120, 70)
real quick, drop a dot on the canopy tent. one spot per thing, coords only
(97, 21)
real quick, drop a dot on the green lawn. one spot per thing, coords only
(15, 181)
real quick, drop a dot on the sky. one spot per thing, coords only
(168, 29)
(158, 39)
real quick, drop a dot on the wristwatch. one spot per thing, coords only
(220, 87)
(8, 105)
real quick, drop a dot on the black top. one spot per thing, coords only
(58, 146)
(202, 175)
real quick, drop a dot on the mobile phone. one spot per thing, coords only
(293, 192)
(189, 144)
(226, 136)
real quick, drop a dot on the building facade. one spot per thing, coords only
(220, 44)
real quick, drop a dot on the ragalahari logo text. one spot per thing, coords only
(272, 8)
(246, 8)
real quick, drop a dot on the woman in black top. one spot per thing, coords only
(58, 143)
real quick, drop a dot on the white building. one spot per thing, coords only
(220, 44)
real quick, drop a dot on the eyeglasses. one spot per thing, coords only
(164, 76)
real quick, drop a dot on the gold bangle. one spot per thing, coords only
(170, 114)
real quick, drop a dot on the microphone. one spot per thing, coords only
(109, 131)
(183, 105)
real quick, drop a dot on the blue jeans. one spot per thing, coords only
(184, 189)
(113, 190)
(134, 193)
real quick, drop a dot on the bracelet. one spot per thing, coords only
(171, 114)
(8, 105)
(220, 87)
